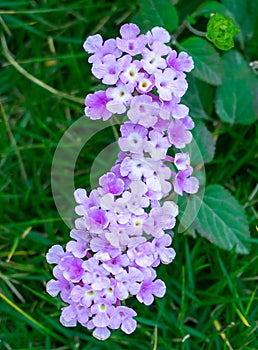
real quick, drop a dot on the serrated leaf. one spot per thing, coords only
(222, 220)
(235, 98)
(199, 98)
(153, 13)
(208, 64)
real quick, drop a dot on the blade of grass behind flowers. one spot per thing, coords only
(30, 319)
(35, 80)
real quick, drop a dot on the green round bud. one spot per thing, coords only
(220, 31)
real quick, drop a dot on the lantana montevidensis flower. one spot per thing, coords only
(121, 234)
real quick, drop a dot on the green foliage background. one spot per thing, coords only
(211, 299)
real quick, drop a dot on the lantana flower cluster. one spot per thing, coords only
(121, 234)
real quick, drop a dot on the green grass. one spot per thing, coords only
(211, 299)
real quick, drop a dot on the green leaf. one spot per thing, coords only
(186, 7)
(202, 147)
(235, 98)
(221, 220)
(208, 65)
(205, 142)
(201, 150)
(156, 13)
(244, 12)
(199, 98)
(220, 31)
(211, 7)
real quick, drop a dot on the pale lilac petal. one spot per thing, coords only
(96, 108)
(129, 31)
(158, 34)
(182, 63)
(159, 288)
(101, 333)
(53, 288)
(93, 43)
(101, 320)
(191, 185)
(55, 254)
(129, 325)
(68, 316)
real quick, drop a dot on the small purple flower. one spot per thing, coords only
(61, 285)
(80, 196)
(128, 282)
(115, 208)
(96, 106)
(168, 84)
(103, 250)
(162, 124)
(123, 317)
(145, 83)
(71, 268)
(115, 265)
(137, 224)
(111, 184)
(157, 146)
(68, 316)
(152, 60)
(83, 314)
(84, 295)
(133, 137)
(108, 293)
(80, 235)
(173, 109)
(55, 254)
(96, 220)
(161, 218)
(164, 254)
(116, 169)
(130, 43)
(129, 71)
(119, 96)
(178, 135)
(150, 288)
(182, 161)
(182, 63)
(136, 168)
(156, 182)
(102, 313)
(79, 248)
(135, 200)
(95, 274)
(188, 122)
(118, 236)
(94, 44)
(143, 111)
(184, 183)
(142, 255)
(158, 34)
(108, 70)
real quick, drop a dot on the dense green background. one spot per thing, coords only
(211, 300)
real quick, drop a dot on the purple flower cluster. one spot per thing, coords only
(121, 233)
